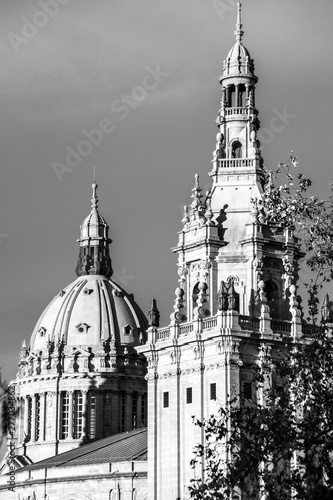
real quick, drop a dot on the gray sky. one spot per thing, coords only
(69, 74)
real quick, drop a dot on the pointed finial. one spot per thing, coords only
(239, 32)
(153, 315)
(196, 192)
(94, 199)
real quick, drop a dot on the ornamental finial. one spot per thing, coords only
(196, 193)
(94, 199)
(239, 32)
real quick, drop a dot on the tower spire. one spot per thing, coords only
(239, 32)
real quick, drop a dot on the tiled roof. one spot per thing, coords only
(124, 447)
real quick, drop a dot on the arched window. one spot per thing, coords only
(236, 150)
(195, 294)
(273, 298)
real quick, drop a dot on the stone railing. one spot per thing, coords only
(183, 329)
(236, 111)
(163, 334)
(310, 330)
(249, 322)
(245, 323)
(208, 324)
(235, 163)
(281, 326)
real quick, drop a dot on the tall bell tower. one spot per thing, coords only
(236, 297)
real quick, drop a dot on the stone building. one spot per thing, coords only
(80, 380)
(92, 358)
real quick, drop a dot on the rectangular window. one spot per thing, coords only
(247, 390)
(189, 395)
(144, 409)
(77, 414)
(37, 418)
(213, 391)
(123, 412)
(64, 415)
(134, 410)
(29, 416)
(21, 419)
(92, 417)
(165, 399)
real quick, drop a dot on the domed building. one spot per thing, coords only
(82, 383)
(80, 378)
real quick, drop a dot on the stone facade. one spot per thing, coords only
(235, 302)
(122, 480)
(235, 298)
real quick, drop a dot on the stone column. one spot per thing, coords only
(224, 96)
(84, 413)
(52, 420)
(70, 415)
(236, 96)
(247, 91)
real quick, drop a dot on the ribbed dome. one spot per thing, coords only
(90, 310)
(238, 53)
(94, 225)
(238, 61)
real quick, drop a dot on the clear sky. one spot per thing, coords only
(69, 74)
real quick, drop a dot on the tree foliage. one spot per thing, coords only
(281, 442)
(287, 200)
(279, 445)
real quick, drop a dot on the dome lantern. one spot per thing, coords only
(94, 256)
